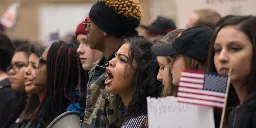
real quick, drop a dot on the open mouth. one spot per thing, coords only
(109, 77)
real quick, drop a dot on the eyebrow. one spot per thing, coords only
(33, 62)
(160, 64)
(229, 43)
(234, 43)
(17, 62)
(120, 54)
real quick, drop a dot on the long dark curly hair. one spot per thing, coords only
(145, 82)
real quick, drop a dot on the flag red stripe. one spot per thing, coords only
(193, 71)
(200, 94)
(190, 87)
(199, 99)
(192, 77)
(190, 82)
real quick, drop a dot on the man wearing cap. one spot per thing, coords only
(110, 22)
(87, 56)
(158, 27)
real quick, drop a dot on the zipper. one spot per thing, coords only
(234, 122)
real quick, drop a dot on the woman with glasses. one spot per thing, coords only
(61, 73)
(17, 68)
(21, 119)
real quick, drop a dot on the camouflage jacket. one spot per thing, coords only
(101, 110)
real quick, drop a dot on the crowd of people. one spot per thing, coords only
(107, 74)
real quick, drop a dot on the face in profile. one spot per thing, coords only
(87, 55)
(95, 36)
(164, 70)
(41, 72)
(177, 67)
(191, 20)
(16, 71)
(120, 72)
(233, 50)
(30, 75)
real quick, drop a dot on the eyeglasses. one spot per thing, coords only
(86, 23)
(42, 62)
(16, 66)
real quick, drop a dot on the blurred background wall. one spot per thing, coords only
(37, 18)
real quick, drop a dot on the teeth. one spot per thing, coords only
(106, 75)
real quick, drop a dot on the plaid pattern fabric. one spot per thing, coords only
(136, 122)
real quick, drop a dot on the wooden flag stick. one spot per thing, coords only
(226, 98)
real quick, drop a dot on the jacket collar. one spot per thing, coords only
(250, 98)
(5, 83)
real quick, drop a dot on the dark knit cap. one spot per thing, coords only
(118, 18)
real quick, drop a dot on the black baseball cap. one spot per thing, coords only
(193, 42)
(160, 25)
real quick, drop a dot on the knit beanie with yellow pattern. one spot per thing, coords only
(118, 18)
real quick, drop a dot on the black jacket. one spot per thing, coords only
(244, 115)
(6, 95)
(11, 103)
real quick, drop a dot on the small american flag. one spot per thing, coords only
(207, 89)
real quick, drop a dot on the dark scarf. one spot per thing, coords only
(111, 22)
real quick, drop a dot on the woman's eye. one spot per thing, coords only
(123, 60)
(235, 49)
(217, 50)
(34, 67)
(20, 65)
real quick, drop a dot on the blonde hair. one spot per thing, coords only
(207, 17)
(170, 90)
(193, 64)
